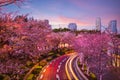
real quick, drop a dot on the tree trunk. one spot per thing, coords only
(115, 60)
(88, 69)
(83, 66)
(100, 77)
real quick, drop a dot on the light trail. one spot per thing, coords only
(76, 78)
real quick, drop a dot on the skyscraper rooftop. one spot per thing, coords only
(113, 26)
(98, 24)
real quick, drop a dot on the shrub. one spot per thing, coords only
(92, 76)
(36, 71)
(49, 58)
(29, 63)
(30, 77)
(1, 77)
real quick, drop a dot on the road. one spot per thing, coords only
(55, 70)
(62, 68)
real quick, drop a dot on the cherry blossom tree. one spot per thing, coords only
(94, 48)
(19, 41)
(8, 2)
(61, 39)
(19, 38)
(114, 48)
(68, 38)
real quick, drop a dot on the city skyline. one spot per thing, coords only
(83, 13)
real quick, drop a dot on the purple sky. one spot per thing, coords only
(62, 12)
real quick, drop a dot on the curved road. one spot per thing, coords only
(55, 70)
(62, 68)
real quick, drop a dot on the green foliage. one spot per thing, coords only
(61, 30)
(49, 58)
(36, 71)
(29, 63)
(30, 77)
(39, 67)
(50, 53)
(58, 55)
(85, 68)
(86, 31)
(43, 63)
(4, 77)
(1, 77)
(92, 76)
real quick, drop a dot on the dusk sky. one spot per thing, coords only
(63, 12)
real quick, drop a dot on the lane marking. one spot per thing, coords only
(41, 76)
(57, 76)
(74, 75)
(66, 69)
(44, 70)
(58, 70)
(59, 66)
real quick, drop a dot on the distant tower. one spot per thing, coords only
(72, 26)
(98, 24)
(113, 26)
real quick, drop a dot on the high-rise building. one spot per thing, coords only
(98, 24)
(113, 26)
(72, 26)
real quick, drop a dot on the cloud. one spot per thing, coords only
(66, 20)
(71, 20)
